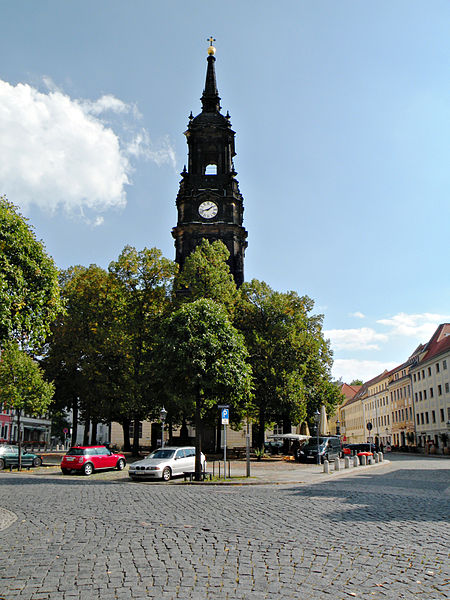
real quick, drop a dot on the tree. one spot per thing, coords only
(22, 385)
(29, 291)
(201, 359)
(144, 281)
(82, 350)
(290, 359)
(206, 274)
(357, 382)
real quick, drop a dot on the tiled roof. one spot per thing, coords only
(439, 342)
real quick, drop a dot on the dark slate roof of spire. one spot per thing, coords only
(210, 97)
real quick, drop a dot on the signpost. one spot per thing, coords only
(369, 428)
(225, 417)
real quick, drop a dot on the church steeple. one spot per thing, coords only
(210, 98)
(209, 203)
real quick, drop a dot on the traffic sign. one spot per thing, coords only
(65, 430)
(369, 426)
(225, 416)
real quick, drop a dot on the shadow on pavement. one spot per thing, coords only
(403, 495)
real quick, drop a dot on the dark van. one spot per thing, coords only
(329, 449)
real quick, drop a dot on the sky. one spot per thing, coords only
(342, 120)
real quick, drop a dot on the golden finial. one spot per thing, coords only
(211, 49)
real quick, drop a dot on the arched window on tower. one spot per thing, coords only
(211, 169)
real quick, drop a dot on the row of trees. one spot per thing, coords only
(126, 340)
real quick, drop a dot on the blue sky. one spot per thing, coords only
(342, 115)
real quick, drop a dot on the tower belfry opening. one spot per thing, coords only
(209, 203)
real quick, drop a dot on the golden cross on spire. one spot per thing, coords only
(211, 49)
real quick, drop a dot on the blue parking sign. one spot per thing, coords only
(225, 416)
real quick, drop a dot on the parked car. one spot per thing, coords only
(329, 449)
(9, 455)
(165, 463)
(358, 449)
(87, 459)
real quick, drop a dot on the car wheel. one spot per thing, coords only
(167, 474)
(2, 464)
(65, 471)
(37, 462)
(88, 469)
(120, 464)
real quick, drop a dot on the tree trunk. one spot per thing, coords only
(261, 428)
(73, 441)
(94, 432)
(126, 435)
(87, 427)
(198, 438)
(136, 437)
(184, 433)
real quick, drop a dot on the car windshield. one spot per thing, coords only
(312, 443)
(162, 453)
(4, 449)
(75, 452)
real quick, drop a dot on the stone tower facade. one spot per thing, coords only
(209, 203)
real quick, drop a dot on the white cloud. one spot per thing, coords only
(419, 326)
(352, 368)
(364, 338)
(61, 153)
(358, 315)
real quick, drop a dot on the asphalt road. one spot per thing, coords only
(381, 534)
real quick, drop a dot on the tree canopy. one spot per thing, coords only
(202, 360)
(29, 290)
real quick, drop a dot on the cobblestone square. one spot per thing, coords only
(381, 534)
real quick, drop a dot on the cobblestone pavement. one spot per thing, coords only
(381, 534)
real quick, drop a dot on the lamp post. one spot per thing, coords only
(162, 416)
(317, 421)
(338, 427)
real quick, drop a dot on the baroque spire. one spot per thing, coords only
(210, 98)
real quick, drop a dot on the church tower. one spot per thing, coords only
(209, 203)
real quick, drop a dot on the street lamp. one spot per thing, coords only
(338, 427)
(162, 416)
(317, 421)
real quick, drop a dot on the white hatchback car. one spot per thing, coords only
(165, 463)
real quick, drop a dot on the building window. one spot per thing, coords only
(437, 368)
(429, 371)
(447, 386)
(442, 415)
(423, 373)
(439, 390)
(410, 413)
(421, 418)
(433, 416)
(418, 375)
(444, 364)
(132, 430)
(431, 392)
(427, 418)
(414, 376)
(424, 394)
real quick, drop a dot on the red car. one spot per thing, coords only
(88, 459)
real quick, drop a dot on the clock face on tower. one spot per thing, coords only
(208, 209)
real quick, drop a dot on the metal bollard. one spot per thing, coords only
(347, 462)
(363, 460)
(337, 464)
(326, 466)
(355, 461)
(376, 457)
(380, 456)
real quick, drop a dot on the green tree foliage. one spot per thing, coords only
(82, 350)
(290, 359)
(144, 280)
(22, 385)
(29, 291)
(202, 360)
(206, 274)
(357, 382)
